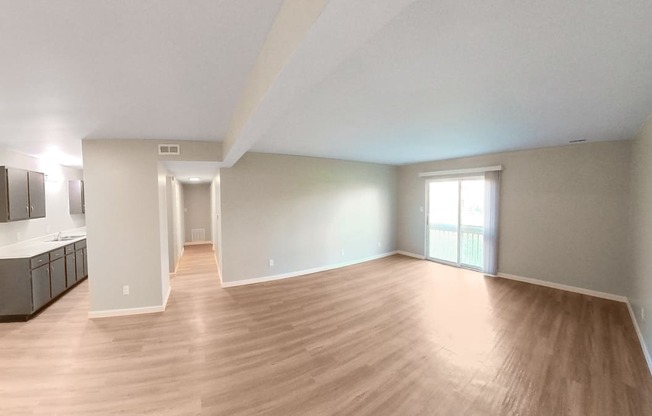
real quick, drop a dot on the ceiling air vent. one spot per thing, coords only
(168, 149)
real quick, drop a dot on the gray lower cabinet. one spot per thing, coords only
(85, 261)
(71, 272)
(40, 287)
(80, 258)
(28, 284)
(79, 263)
(58, 277)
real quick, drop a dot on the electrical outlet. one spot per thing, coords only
(342, 251)
(421, 209)
(271, 262)
(125, 290)
(379, 244)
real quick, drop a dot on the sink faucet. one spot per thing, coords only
(58, 236)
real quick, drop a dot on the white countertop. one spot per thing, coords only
(31, 248)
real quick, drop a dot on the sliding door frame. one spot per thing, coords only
(458, 179)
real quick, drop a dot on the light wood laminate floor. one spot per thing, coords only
(396, 336)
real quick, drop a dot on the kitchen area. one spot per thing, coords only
(43, 250)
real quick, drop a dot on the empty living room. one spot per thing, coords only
(325, 207)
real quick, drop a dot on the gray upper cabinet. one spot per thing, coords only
(76, 197)
(36, 182)
(17, 194)
(22, 194)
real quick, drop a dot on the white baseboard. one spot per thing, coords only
(304, 272)
(567, 288)
(131, 311)
(219, 268)
(197, 243)
(124, 312)
(176, 267)
(639, 334)
(407, 253)
(167, 297)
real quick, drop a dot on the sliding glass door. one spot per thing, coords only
(443, 221)
(455, 222)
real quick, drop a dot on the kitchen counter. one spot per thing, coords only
(31, 248)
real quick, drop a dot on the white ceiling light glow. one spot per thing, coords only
(54, 154)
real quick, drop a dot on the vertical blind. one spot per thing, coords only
(491, 203)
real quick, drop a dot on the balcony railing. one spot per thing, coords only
(443, 244)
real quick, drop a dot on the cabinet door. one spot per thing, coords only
(79, 262)
(18, 194)
(58, 277)
(71, 273)
(36, 194)
(85, 261)
(76, 196)
(40, 287)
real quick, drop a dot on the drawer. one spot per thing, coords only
(39, 260)
(69, 249)
(56, 254)
(80, 244)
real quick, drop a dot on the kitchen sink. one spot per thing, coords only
(66, 238)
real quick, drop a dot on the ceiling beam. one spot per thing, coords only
(308, 40)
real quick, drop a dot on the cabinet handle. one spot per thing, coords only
(27, 208)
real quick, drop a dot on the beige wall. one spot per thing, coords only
(58, 217)
(176, 232)
(123, 230)
(216, 218)
(179, 230)
(302, 212)
(162, 234)
(197, 209)
(563, 213)
(640, 293)
(127, 219)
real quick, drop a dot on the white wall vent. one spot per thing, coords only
(198, 234)
(168, 149)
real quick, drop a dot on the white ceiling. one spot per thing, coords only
(458, 78)
(389, 81)
(124, 69)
